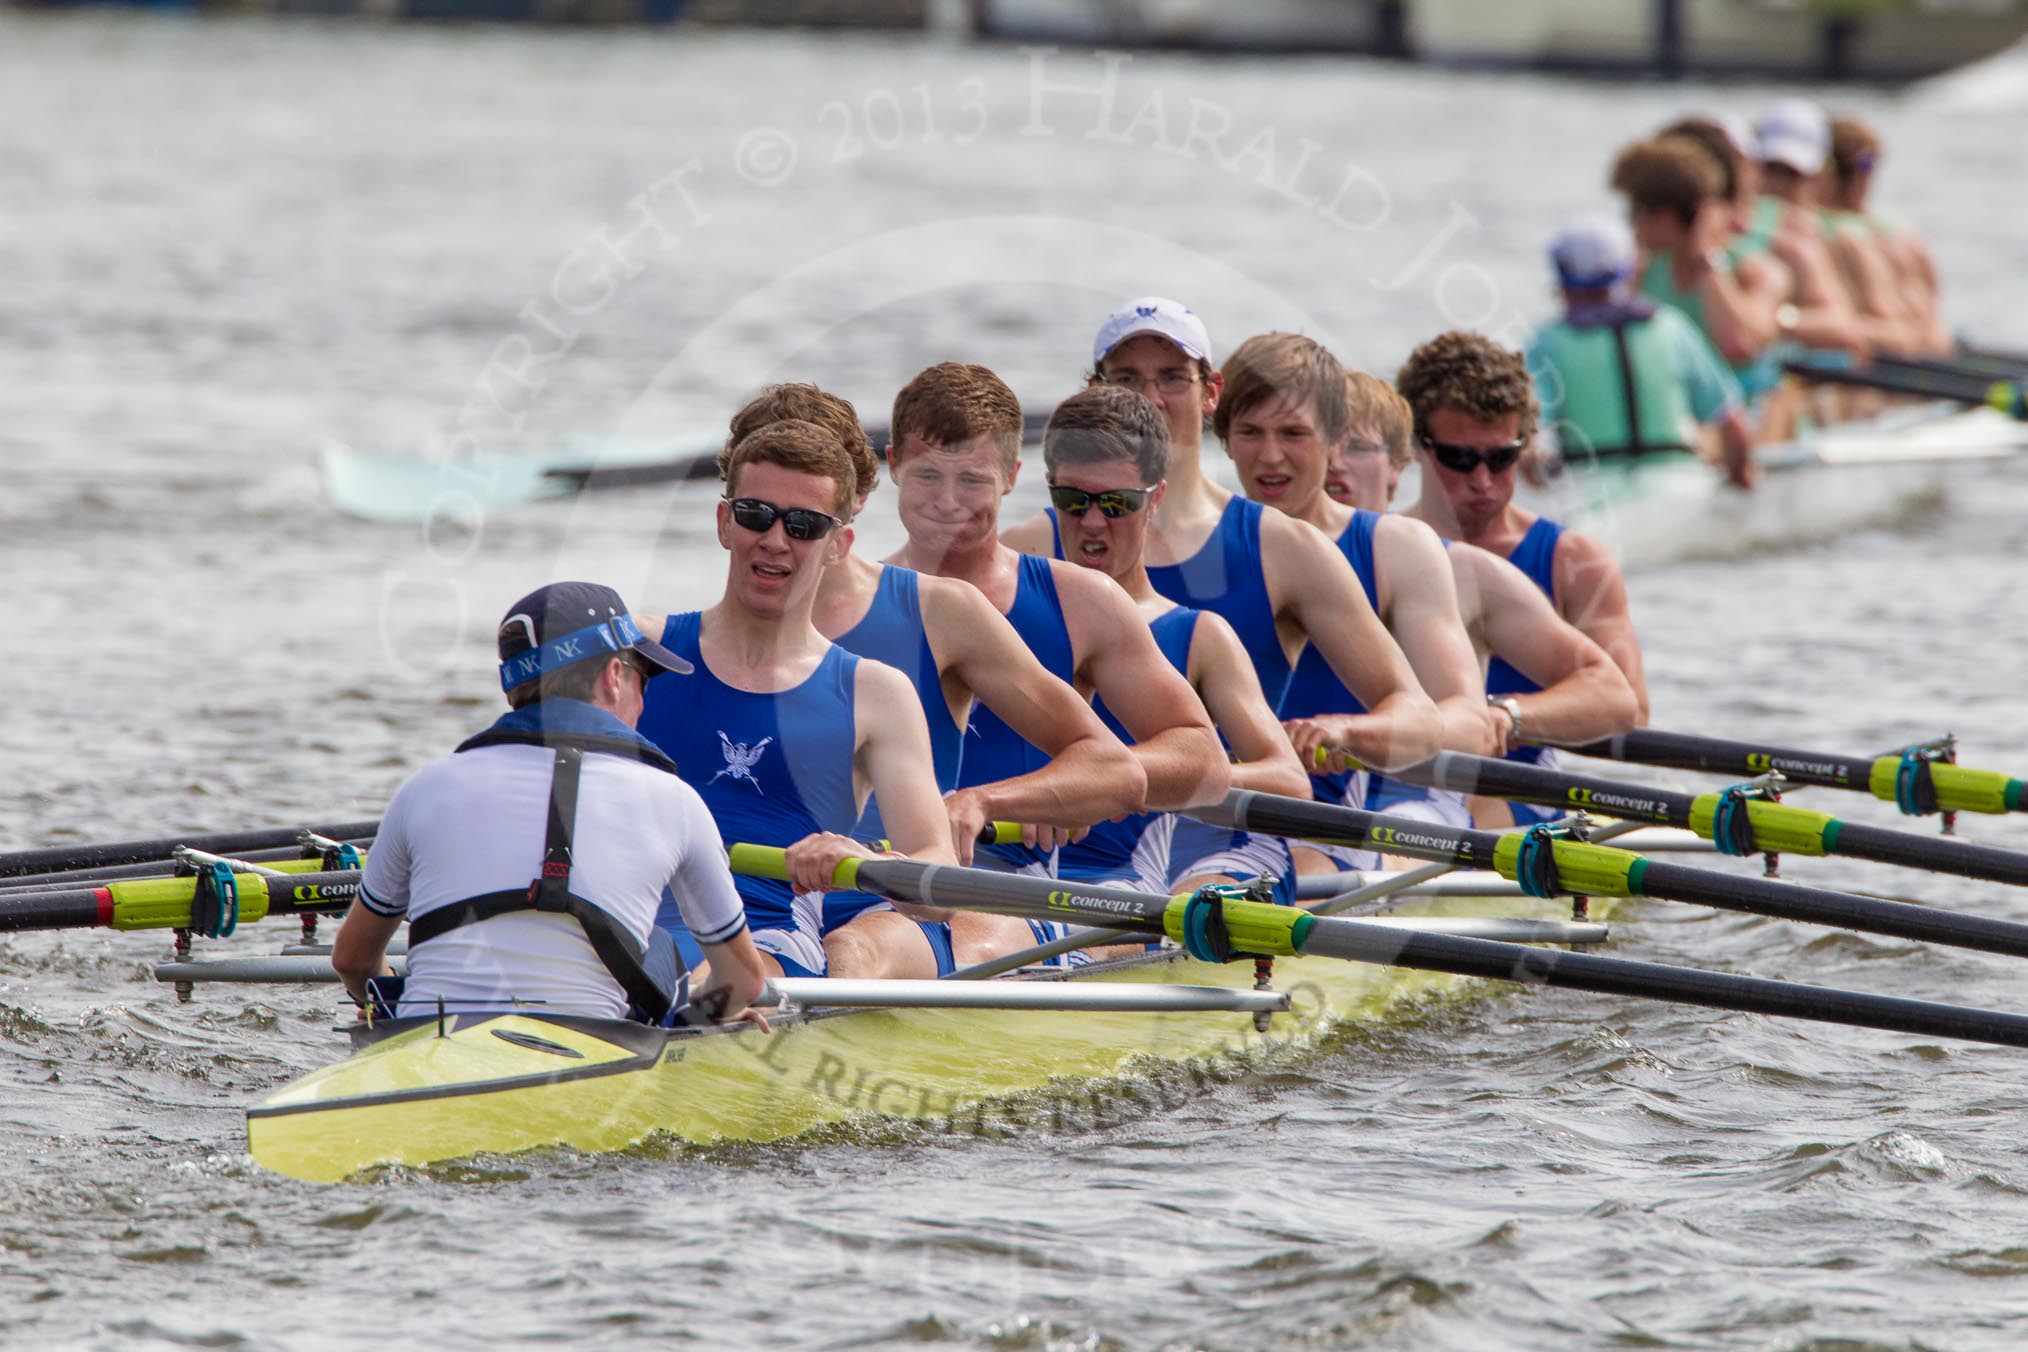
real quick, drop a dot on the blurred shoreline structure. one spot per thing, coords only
(1881, 41)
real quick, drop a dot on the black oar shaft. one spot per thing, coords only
(64, 857)
(1552, 788)
(68, 908)
(1644, 877)
(1917, 782)
(1713, 755)
(1620, 976)
(1817, 906)
(1812, 833)
(1942, 854)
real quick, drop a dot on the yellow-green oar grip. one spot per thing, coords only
(1005, 833)
(1777, 827)
(1582, 869)
(1323, 757)
(1959, 788)
(769, 861)
(1253, 926)
(164, 903)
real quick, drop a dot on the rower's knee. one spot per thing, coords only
(880, 944)
(979, 938)
(849, 952)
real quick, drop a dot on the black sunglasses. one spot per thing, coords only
(798, 523)
(1114, 502)
(1465, 459)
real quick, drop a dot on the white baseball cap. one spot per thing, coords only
(1593, 253)
(1740, 132)
(1157, 315)
(1795, 133)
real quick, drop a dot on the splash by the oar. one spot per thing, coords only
(1546, 864)
(1735, 819)
(1215, 928)
(1913, 780)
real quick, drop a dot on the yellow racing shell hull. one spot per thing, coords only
(423, 1091)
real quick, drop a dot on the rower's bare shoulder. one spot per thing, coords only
(1399, 534)
(1296, 558)
(1584, 564)
(1586, 550)
(950, 600)
(1036, 535)
(1215, 644)
(1494, 580)
(1087, 588)
(651, 624)
(879, 687)
(1288, 536)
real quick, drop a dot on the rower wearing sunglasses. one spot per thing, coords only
(955, 649)
(1278, 582)
(1474, 413)
(783, 734)
(1505, 616)
(956, 453)
(1106, 451)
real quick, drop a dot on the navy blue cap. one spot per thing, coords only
(565, 623)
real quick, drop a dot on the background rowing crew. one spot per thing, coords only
(1146, 643)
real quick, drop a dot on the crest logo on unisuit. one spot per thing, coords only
(740, 760)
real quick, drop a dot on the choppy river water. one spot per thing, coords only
(225, 244)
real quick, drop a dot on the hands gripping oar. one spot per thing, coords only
(1212, 927)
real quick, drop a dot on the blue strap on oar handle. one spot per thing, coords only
(1732, 824)
(1914, 786)
(1535, 865)
(214, 901)
(1205, 936)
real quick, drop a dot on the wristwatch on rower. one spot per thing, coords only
(1513, 710)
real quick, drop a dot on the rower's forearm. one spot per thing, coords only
(1186, 767)
(1279, 775)
(1091, 780)
(1466, 725)
(1402, 730)
(1585, 707)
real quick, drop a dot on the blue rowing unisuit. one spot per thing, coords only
(772, 768)
(1313, 687)
(1535, 556)
(1108, 853)
(892, 632)
(1227, 578)
(993, 751)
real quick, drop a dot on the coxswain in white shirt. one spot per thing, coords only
(530, 864)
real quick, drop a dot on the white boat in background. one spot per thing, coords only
(1672, 508)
